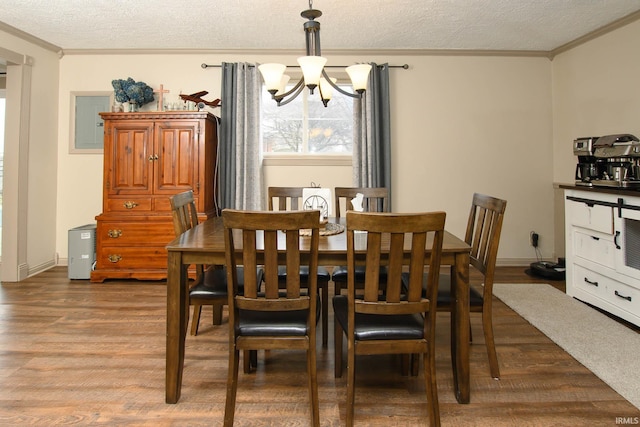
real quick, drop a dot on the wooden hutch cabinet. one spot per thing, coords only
(148, 157)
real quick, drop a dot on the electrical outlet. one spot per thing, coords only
(534, 238)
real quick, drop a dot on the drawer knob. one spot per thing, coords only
(590, 282)
(114, 258)
(130, 205)
(114, 233)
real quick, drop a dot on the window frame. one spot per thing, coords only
(307, 158)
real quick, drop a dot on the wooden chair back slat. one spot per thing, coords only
(250, 262)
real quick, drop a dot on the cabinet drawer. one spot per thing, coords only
(625, 297)
(130, 204)
(131, 257)
(117, 233)
(161, 204)
(596, 217)
(620, 295)
(595, 248)
(590, 281)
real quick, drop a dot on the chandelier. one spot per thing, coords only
(313, 72)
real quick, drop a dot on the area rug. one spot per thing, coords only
(608, 349)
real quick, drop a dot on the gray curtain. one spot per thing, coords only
(372, 136)
(240, 156)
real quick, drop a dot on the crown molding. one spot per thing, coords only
(332, 52)
(29, 38)
(595, 34)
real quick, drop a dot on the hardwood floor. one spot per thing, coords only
(80, 353)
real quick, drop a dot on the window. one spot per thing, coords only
(305, 126)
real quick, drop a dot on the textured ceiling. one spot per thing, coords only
(539, 25)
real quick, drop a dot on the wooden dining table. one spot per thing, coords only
(204, 244)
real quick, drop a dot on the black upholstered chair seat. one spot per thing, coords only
(444, 291)
(277, 323)
(280, 323)
(340, 273)
(379, 327)
(323, 273)
(323, 285)
(214, 284)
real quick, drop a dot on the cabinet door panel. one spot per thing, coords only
(177, 145)
(127, 156)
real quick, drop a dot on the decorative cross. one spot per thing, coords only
(161, 93)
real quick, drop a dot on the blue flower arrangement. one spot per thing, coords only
(133, 92)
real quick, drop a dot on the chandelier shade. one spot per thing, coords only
(359, 75)
(312, 67)
(313, 71)
(272, 74)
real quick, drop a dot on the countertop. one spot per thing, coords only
(608, 190)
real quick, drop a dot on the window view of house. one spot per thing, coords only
(305, 126)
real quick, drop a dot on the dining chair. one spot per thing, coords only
(483, 231)
(273, 318)
(290, 198)
(375, 199)
(210, 285)
(401, 320)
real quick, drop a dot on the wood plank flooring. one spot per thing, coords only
(80, 353)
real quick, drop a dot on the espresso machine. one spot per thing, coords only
(588, 167)
(617, 161)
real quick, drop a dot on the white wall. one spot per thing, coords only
(476, 124)
(596, 91)
(30, 196)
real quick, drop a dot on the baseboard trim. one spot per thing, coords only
(36, 269)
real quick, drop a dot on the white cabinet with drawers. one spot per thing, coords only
(603, 267)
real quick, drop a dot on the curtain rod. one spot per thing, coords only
(404, 66)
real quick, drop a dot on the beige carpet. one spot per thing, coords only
(607, 348)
